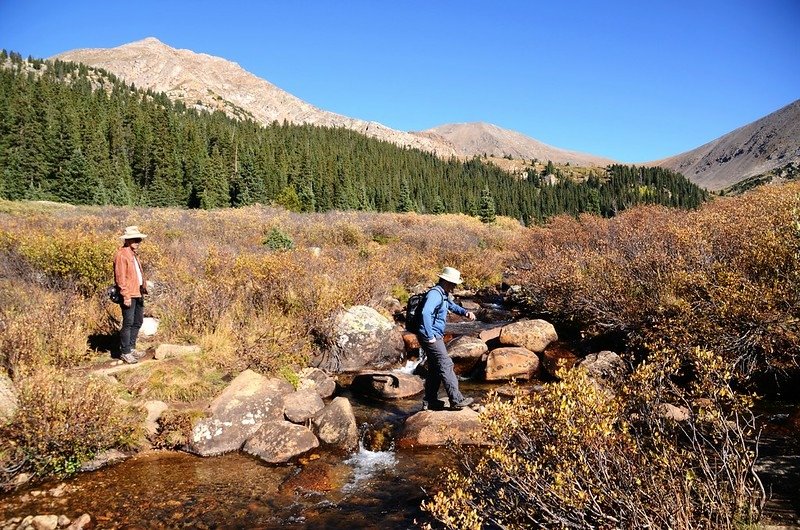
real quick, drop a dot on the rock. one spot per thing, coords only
(63, 521)
(392, 305)
(21, 479)
(430, 428)
(363, 338)
(672, 412)
(318, 476)
(45, 522)
(466, 353)
(513, 390)
(605, 366)
(238, 412)
(168, 351)
(556, 358)
(81, 522)
(387, 385)
(149, 326)
(154, 410)
(280, 441)
(490, 334)
(336, 424)
(302, 404)
(410, 341)
(316, 379)
(8, 399)
(533, 335)
(469, 305)
(315, 251)
(514, 362)
(112, 456)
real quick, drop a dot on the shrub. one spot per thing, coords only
(278, 240)
(576, 456)
(63, 420)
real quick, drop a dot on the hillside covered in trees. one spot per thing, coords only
(80, 135)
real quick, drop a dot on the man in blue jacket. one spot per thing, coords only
(435, 307)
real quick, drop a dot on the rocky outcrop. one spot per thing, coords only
(336, 424)
(279, 441)
(238, 412)
(387, 385)
(432, 428)
(466, 353)
(514, 362)
(317, 380)
(363, 338)
(534, 335)
(300, 406)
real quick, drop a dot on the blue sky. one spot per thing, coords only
(630, 80)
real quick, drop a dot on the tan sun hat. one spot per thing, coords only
(451, 275)
(132, 232)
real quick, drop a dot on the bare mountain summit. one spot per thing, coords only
(768, 143)
(472, 139)
(203, 81)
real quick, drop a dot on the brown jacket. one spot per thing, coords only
(125, 274)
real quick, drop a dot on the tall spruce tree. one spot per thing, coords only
(487, 211)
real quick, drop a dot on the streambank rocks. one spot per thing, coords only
(466, 353)
(336, 424)
(387, 385)
(605, 366)
(432, 428)
(512, 362)
(555, 359)
(362, 338)
(300, 406)
(238, 412)
(317, 380)
(534, 335)
(277, 442)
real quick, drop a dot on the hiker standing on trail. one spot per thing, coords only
(435, 307)
(130, 280)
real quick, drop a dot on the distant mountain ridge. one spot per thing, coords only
(768, 143)
(478, 139)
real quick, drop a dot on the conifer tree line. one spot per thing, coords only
(77, 134)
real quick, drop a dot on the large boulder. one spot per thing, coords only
(466, 353)
(605, 366)
(534, 335)
(8, 399)
(387, 385)
(300, 406)
(336, 424)
(280, 441)
(507, 363)
(363, 338)
(430, 428)
(319, 381)
(238, 412)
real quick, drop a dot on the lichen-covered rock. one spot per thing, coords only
(363, 338)
(336, 424)
(319, 381)
(432, 428)
(302, 404)
(605, 366)
(466, 353)
(280, 441)
(534, 335)
(387, 385)
(238, 412)
(514, 362)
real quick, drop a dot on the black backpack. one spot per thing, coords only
(414, 311)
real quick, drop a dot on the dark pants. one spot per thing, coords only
(440, 370)
(132, 318)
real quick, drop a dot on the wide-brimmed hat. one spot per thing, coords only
(132, 232)
(451, 275)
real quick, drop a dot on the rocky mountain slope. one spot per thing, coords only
(472, 139)
(203, 81)
(766, 144)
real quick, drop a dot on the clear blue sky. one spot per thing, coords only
(634, 80)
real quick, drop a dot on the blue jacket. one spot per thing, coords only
(434, 313)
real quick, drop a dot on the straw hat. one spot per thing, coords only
(451, 275)
(132, 232)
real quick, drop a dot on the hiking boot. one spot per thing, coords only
(433, 405)
(138, 354)
(128, 358)
(467, 401)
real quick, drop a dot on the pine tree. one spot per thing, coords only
(405, 203)
(487, 211)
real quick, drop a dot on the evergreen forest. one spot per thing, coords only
(80, 135)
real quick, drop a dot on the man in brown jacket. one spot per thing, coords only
(129, 277)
